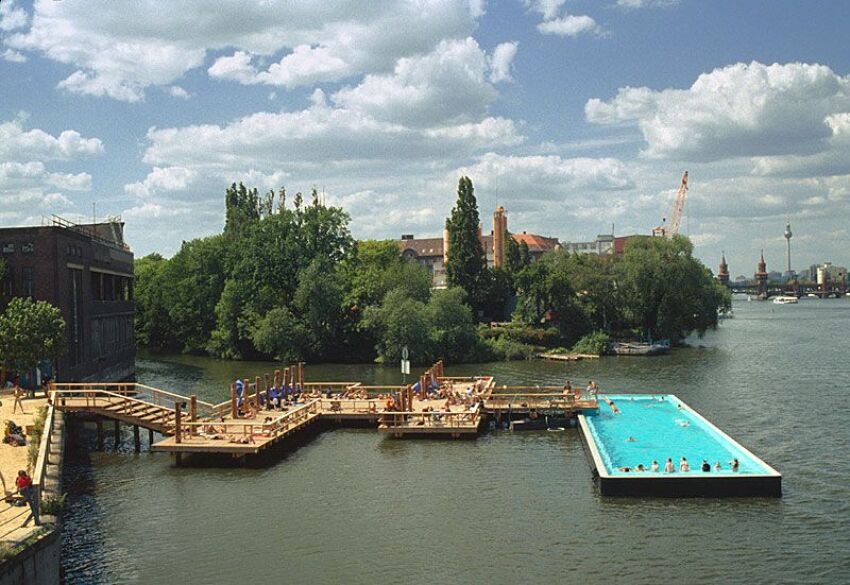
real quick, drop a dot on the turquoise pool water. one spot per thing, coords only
(651, 428)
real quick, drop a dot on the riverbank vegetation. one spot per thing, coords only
(287, 281)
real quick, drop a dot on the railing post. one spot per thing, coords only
(301, 374)
(178, 413)
(257, 395)
(234, 409)
(193, 408)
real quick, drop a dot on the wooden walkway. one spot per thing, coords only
(252, 420)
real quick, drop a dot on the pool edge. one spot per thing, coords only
(680, 486)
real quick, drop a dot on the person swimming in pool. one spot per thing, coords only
(631, 440)
(640, 467)
(654, 466)
(684, 466)
(717, 466)
(669, 467)
(706, 466)
(735, 464)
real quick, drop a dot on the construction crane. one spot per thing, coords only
(678, 210)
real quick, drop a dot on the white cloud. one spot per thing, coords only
(56, 201)
(549, 177)
(25, 179)
(12, 17)
(548, 8)
(69, 181)
(738, 110)
(631, 4)
(569, 25)
(162, 179)
(118, 51)
(178, 92)
(14, 56)
(501, 62)
(23, 145)
(447, 85)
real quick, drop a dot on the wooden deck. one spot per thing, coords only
(249, 423)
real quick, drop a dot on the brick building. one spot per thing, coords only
(86, 271)
(432, 253)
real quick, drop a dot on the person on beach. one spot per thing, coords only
(24, 484)
(18, 393)
(654, 466)
(669, 467)
(684, 466)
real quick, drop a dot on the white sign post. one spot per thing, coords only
(405, 363)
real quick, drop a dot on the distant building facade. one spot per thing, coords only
(432, 253)
(603, 245)
(86, 271)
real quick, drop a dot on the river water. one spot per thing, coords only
(350, 506)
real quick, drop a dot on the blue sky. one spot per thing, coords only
(572, 114)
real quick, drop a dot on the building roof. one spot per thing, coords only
(433, 247)
(423, 247)
(535, 242)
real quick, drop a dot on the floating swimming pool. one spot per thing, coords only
(651, 428)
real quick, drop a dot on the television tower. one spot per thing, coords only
(788, 235)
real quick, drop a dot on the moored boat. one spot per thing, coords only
(640, 348)
(785, 300)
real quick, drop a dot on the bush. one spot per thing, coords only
(593, 343)
(52, 505)
(525, 334)
(34, 439)
(507, 349)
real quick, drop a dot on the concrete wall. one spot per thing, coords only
(36, 565)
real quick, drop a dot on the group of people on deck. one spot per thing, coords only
(684, 466)
(275, 398)
(591, 392)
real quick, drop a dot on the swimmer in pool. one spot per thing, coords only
(654, 466)
(640, 467)
(735, 464)
(684, 466)
(717, 466)
(669, 467)
(631, 440)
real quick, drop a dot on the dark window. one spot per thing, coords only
(27, 248)
(8, 284)
(8, 248)
(26, 277)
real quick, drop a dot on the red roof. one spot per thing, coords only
(536, 243)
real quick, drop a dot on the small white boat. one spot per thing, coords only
(785, 300)
(812, 295)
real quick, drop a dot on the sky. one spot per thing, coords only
(574, 115)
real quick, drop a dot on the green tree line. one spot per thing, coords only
(286, 280)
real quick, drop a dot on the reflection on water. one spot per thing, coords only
(352, 506)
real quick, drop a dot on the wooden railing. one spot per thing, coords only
(94, 399)
(39, 473)
(278, 425)
(440, 419)
(362, 405)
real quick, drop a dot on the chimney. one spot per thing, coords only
(500, 227)
(445, 246)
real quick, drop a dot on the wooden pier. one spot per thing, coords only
(255, 418)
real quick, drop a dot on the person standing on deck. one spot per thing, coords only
(24, 484)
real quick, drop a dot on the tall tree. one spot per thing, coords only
(467, 265)
(30, 331)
